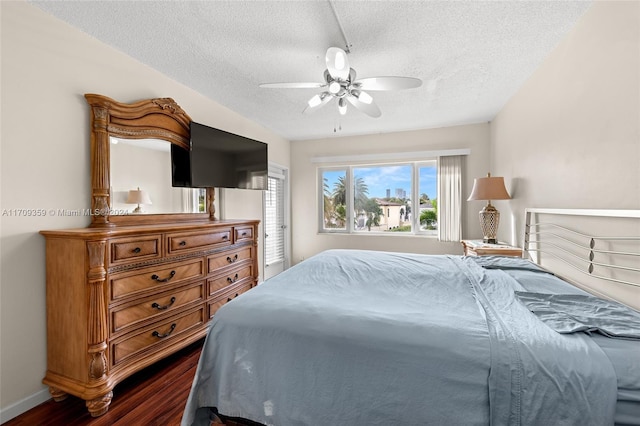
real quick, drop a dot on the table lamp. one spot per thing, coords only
(138, 196)
(489, 188)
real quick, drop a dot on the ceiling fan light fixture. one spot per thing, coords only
(337, 63)
(340, 83)
(340, 60)
(364, 97)
(342, 106)
(315, 101)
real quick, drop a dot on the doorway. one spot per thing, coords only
(276, 218)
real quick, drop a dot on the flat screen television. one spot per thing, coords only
(219, 159)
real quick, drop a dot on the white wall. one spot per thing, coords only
(306, 240)
(47, 67)
(133, 166)
(570, 137)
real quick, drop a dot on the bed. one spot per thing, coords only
(352, 337)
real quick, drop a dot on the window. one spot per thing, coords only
(380, 198)
(334, 201)
(428, 198)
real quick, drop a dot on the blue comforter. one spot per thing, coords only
(374, 338)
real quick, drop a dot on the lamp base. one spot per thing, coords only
(489, 220)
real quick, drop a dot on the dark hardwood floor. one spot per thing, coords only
(154, 396)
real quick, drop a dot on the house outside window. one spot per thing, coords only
(398, 198)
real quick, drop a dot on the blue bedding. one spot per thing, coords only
(624, 354)
(373, 338)
(571, 313)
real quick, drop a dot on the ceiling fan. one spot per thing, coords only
(340, 83)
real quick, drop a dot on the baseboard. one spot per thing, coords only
(24, 405)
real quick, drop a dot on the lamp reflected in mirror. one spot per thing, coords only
(489, 188)
(138, 196)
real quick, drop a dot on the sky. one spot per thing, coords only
(379, 179)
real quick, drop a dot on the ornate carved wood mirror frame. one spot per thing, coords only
(159, 118)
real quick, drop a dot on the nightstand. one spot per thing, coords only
(479, 248)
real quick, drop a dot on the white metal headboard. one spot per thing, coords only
(597, 250)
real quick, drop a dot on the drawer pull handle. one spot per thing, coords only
(136, 250)
(163, 280)
(244, 234)
(182, 243)
(225, 237)
(162, 336)
(230, 260)
(229, 299)
(162, 308)
(231, 281)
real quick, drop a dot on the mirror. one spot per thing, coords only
(131, 164)
(140, 171)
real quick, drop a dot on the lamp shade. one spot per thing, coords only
(138, 196)
(489, 188)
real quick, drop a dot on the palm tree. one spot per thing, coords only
(340, 191)
(373, 211)
(360, 190)
(428, 218)
(339, 201)
(340, 215)
(329, 208)
(360, 194)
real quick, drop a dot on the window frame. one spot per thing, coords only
(348, 169)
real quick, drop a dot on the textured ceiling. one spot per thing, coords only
(472, 56)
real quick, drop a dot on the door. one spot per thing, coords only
(276, 231)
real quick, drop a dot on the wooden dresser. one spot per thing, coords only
(121, 298)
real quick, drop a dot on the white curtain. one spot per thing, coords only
(450, 198)
(190, 200)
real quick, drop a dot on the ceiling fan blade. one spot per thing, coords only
(388, 83)
(369, 107)
(317, 102)
(292, 85)
(337, 63)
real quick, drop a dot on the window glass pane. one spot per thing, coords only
(274, 221)
(382, 198)
(334, 199)
(428, 190)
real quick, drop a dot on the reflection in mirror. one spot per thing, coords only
(141, 176)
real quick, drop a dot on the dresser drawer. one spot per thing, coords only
(164, 304)
(228, 296)
(230, 278)
(158, 278)
(227, 258)
(136, 248)
(155, 336)
(185, 242)
(244, 233)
